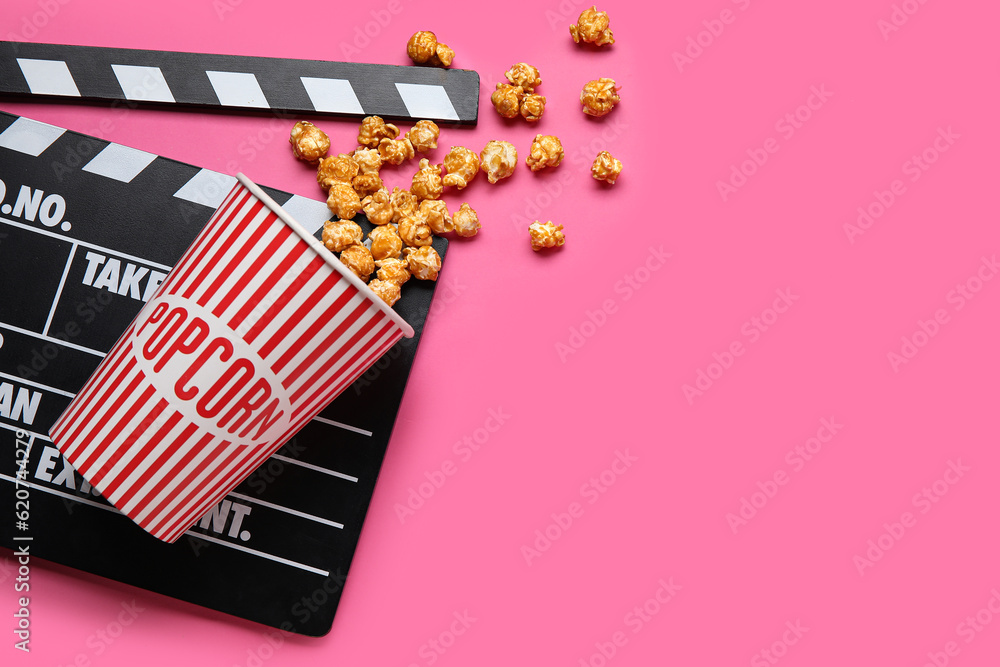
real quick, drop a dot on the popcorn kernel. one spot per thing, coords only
(343, 201)
(367, 184)
(498, 160)
(396, 151)
(339, 234)
(460, 165)
(385, 242)
(546, 151)
(368, 159)
(331, 170)
(524, 75)
(466, 221)
(386, 290)
(435, 212)
(424, 263)
(373, 130)
(422, 46)
(606, 168)
(506, 99)
(404, 203)
(415, 231)
(443, 56)
(424, 135)
(393, 270)
(599, 97)
(532, 107)
(545, 235)
(309, 143)
(359, 260)
(378, 207)
(592, 27)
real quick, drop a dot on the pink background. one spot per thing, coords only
(503, 311)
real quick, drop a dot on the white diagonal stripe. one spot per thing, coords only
(301, 296)
(207, 187)
(309, 213)
(195, 491)
(29, 136)
(334, 370)
(93, 434)
(239, 274)
(123, 483)
(143, 84)
(119, 162)
(427, 101)
(238, 89)
(332, 95)
(161, 472)
(48, 77)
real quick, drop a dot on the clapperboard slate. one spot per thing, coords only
(233, 83)
(83, 242)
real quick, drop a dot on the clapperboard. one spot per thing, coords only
(83, 244)
(239, 83)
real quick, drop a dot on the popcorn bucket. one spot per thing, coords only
(254, 331)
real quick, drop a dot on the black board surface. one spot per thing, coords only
(80, 243)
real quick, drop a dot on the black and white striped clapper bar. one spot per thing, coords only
(239, 82)
(99, 183)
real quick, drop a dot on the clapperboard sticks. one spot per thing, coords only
(239, 83)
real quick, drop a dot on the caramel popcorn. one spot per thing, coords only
(309, 143)
(331, 170)
(498, 160)
(415, 231)
(592, 27)
(373, 130)
(387, 291)
(546, 151)
(422, 46)
(378, 207)
(368, 159)
(424, 263)
(393, 270)
(466, 221)
(545, 236)
(599, 97)
(427, 181)
(395, 151)
(443, 56)
(606, 168)
(359, 260)
(367, 184)
(435, 212)
(338, 234)
(532, 107)
(460, 165)
(424, 136)
(507, 99)
(385, 242)
(523, 75)
(343, 201)
(404, 203)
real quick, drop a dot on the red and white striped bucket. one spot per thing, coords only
(254, 331)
